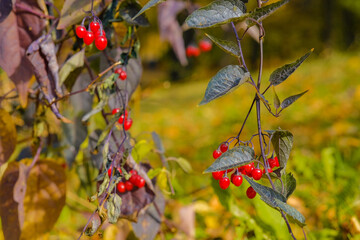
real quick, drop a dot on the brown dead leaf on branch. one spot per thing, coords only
(18, 30)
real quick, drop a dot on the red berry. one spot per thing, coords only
(250, 193)
(121, 187)
(205, 45)
(192, 51)
(218, 175)
(242, 170)
(121, 119)
(88, 38)
(230, 170)
(224, 147)
(110, 171)
(224, 182)
(196, 52)
(129, 186)
(101, 43)
(80, 31)
(133, 172)
(118, 71)
(236, 180)
(277, 164)
(256, 173)
(249, 168)
(140, 182)
(115, 111)
(98, 33)
(119, 169)
(217, 153)
(134, 178)
(269, 170)
(94, 26)
(127, 124)
(123, 75)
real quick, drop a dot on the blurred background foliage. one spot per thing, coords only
(325, 123)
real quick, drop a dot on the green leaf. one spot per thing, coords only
(276, 99)
(154, 172)
(217, 13)
(289, 185)
(158, 143)
(225, 81)
(147, 6)
(228, 46)
(114, 207)
(225, 197)
(141, 149)
(235, 157)
(105, 132)
(95, 110)
(282, 142)
(281, 74)
(290, 100)
(128, 10)
(184, 164)
(71, 69)
(277, 201)
(260, 14)
(263, 99)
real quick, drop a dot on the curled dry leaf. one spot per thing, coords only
(17, 31)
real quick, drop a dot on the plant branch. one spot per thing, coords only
(242, 127)
(20, 6)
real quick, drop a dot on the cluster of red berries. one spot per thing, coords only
(95, 31)
(122, 73)
(123, 118)
(194, 51)
(134, 181)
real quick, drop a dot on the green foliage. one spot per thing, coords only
(228, 46)
(287, 186)
(290, 100)
(282, 142)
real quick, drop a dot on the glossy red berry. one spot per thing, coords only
(224, 147)
(98, 33)
(121, 187)
(133, 172)
(88, 38)
(256, 173)
(115, 111)
(192, 51)
(236, 180)
(80, 31)
(250, 193)
(110, 171)
(123, 75)
(134, 178)
(140, 182)
(248, 168)
(242, 170)
(127, 124)
(129, 186)
(224, 182)
(101, 42)
(118, 71)
(205, 45)
(94, 26)
(269, 170)
(277, 164)
(218, 175)
(217, 153)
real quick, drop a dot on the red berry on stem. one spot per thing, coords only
(80, 31)
(127, 124)
(118, 71)
(133, 172)
(140, 182)
(98, 33)
(121, 187)
(115, 111)
(101, 43)
(110, 171)
(218, 175)
(123, 75)
(121, 119)
(248, 168)
(256, 173)
(250, 193)
(224, 182)
(205, 45)
(236, 180)
(88, 38)
(94, 26)
(217, 153)
(224, 147)
(242, 170)
(269, 170)
(134, 178)
(277, 164)
(129, 186)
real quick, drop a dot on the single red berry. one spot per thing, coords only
(121, 187)
(110, 171)
(80, 31)
(101, 43)
(121, 119)
(129, 186)
(118, 71)
(269, 170)
(133, 172)
(205, 45)
(94, 26)
(224, 147)
(196, 52)
(123, 75)
(115, 111)
(256, 173)
(250, 193)
(272, 162)
(277, 164)
(242, 170)
(237, 180)
(119, 169)
(217, 153)
(134, 178)
(218, 175)
(127, 124)
(140, 182)
(192, 51)
(248, 168)
(98, 33)
(224, 182)
(88, 38)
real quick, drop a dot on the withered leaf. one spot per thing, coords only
(5, 9)
(17, 31)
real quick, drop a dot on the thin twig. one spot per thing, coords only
(242, 127)
(20, 6)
